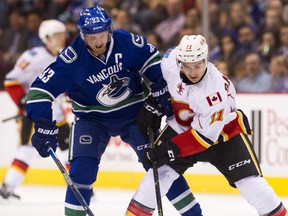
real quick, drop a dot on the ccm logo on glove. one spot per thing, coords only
(152, 110)
(171, 155)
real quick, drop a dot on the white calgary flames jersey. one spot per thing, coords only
(204, 112)
(28, 66)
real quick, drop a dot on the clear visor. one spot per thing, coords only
(192, 66)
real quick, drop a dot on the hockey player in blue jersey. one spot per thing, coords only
(103, 73)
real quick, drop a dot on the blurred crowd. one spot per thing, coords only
(248, 39)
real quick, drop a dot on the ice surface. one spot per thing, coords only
(48, 201)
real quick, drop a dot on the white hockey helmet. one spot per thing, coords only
(49, 28)
(192, 48)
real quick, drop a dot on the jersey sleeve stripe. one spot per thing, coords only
(155, 63)
(39, 95)
(191, 142)
(205, 142)
(11, 83)
(154, 59)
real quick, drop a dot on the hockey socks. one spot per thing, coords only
(279, 211)
(135, 209)
(174, 186)
(72, 206)
(258, 193)
(182, 198)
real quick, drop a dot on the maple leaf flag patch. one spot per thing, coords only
(214, 99)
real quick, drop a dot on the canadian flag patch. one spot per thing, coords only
(214, 99)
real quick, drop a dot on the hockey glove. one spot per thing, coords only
(162, 96)
(149, 115)
(22, 102)
(162, 154)
(22, 105)
(45, 136)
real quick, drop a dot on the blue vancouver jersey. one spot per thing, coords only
(107, 87)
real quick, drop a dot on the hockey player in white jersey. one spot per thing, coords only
(17, 83)
(207, 127)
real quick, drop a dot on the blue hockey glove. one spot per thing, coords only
(162, 96)
(149, 115)
(45, 136)
(164, 153)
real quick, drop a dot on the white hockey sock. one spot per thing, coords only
(259, 194)
(19, 166)
(146, 191)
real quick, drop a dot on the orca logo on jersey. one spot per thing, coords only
(115, 92)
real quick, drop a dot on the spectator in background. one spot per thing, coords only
(214, 18)
(214, 47)
(122, 20)
(285, 11)
(256, 78)
(168, 28)
(154, 39)
(4, 13)
(272, 22)
(34, 20)
(13, 39)
(256, 11)
(151, 14)
(222, 67)
(230, 54)
(193, 20)
(237, 15)
(279, 73)
(246, 38)
(283, 49)
(267, 46)
(70, 17)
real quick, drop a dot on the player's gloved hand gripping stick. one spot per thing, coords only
(45, 141)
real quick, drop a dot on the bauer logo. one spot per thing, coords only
(85, 139)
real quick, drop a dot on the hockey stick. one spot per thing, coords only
(155, 170)
(70, 182)
(16, 117)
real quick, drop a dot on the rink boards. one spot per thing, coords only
(267, 114)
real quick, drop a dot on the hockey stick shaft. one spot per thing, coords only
(70, 182)
(155, 172)
(16, 117)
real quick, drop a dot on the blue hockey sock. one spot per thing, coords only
(72, 206)
(183, 199)
(83, 173)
